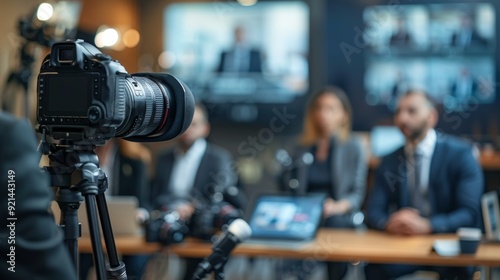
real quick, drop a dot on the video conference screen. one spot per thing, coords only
(447, 50)
(233, 53)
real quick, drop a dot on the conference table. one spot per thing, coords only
(329, 245)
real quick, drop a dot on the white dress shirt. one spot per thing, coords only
(426, 150)
(185, 168)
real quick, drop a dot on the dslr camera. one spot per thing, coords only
(208, 219)
(166, 227)
(86, 96)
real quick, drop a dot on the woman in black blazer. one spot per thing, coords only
(338, 167)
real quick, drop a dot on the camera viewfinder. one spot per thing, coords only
(66, 55)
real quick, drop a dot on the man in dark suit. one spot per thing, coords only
(401, 37)
(464, 87)
(467, 36)
(433, 184)
(241, 58)
(126, 164)
(194, 170)
(34, 242)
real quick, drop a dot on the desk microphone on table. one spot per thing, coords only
(238, 231)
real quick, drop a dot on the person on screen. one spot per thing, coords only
(401, 37)
(433, 184)
(126, 165)
(37, 250)
(399, 86)
(466, 35)
(193, 169)
(241, 58)
(464, 87)
(339, 167)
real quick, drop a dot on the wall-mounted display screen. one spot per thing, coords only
(379, 49)
(226, 52)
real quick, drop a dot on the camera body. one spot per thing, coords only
(81, 92)
(85, 96)
(209, 219)
(167, 228)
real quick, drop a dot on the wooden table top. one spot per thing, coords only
(332, 245)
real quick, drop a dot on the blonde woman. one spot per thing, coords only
(339, 166)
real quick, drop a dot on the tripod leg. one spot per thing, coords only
(116, 268)
(69, 202)
(95, 236)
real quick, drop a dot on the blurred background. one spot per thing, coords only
(373, 49)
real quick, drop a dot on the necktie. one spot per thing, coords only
(419, 198)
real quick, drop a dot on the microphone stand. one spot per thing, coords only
(205, 267)
(219, 271)
(237, 232)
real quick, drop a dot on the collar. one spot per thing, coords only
(199, 146)
(425, 147)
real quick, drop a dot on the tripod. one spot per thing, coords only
(75, 172)
(21, 77)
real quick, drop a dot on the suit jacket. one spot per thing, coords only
(130, 178)
(39, 249)
(476, 40)
(254, 65)
(473, 88)
(400, 39)
(216, 169)
(455, 187)
(348, 174)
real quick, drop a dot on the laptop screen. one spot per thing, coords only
(491, 214)
(493, 223)
(286, 217)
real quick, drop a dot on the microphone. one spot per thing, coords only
(283, 158)
(237, 232)
(307, 159)
(290, 180)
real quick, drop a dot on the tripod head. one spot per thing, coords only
(76, 168)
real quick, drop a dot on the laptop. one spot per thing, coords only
(122, 212)
(491, 216)
(284, 220)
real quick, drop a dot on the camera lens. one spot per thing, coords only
(154, 105)
(146, 108)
